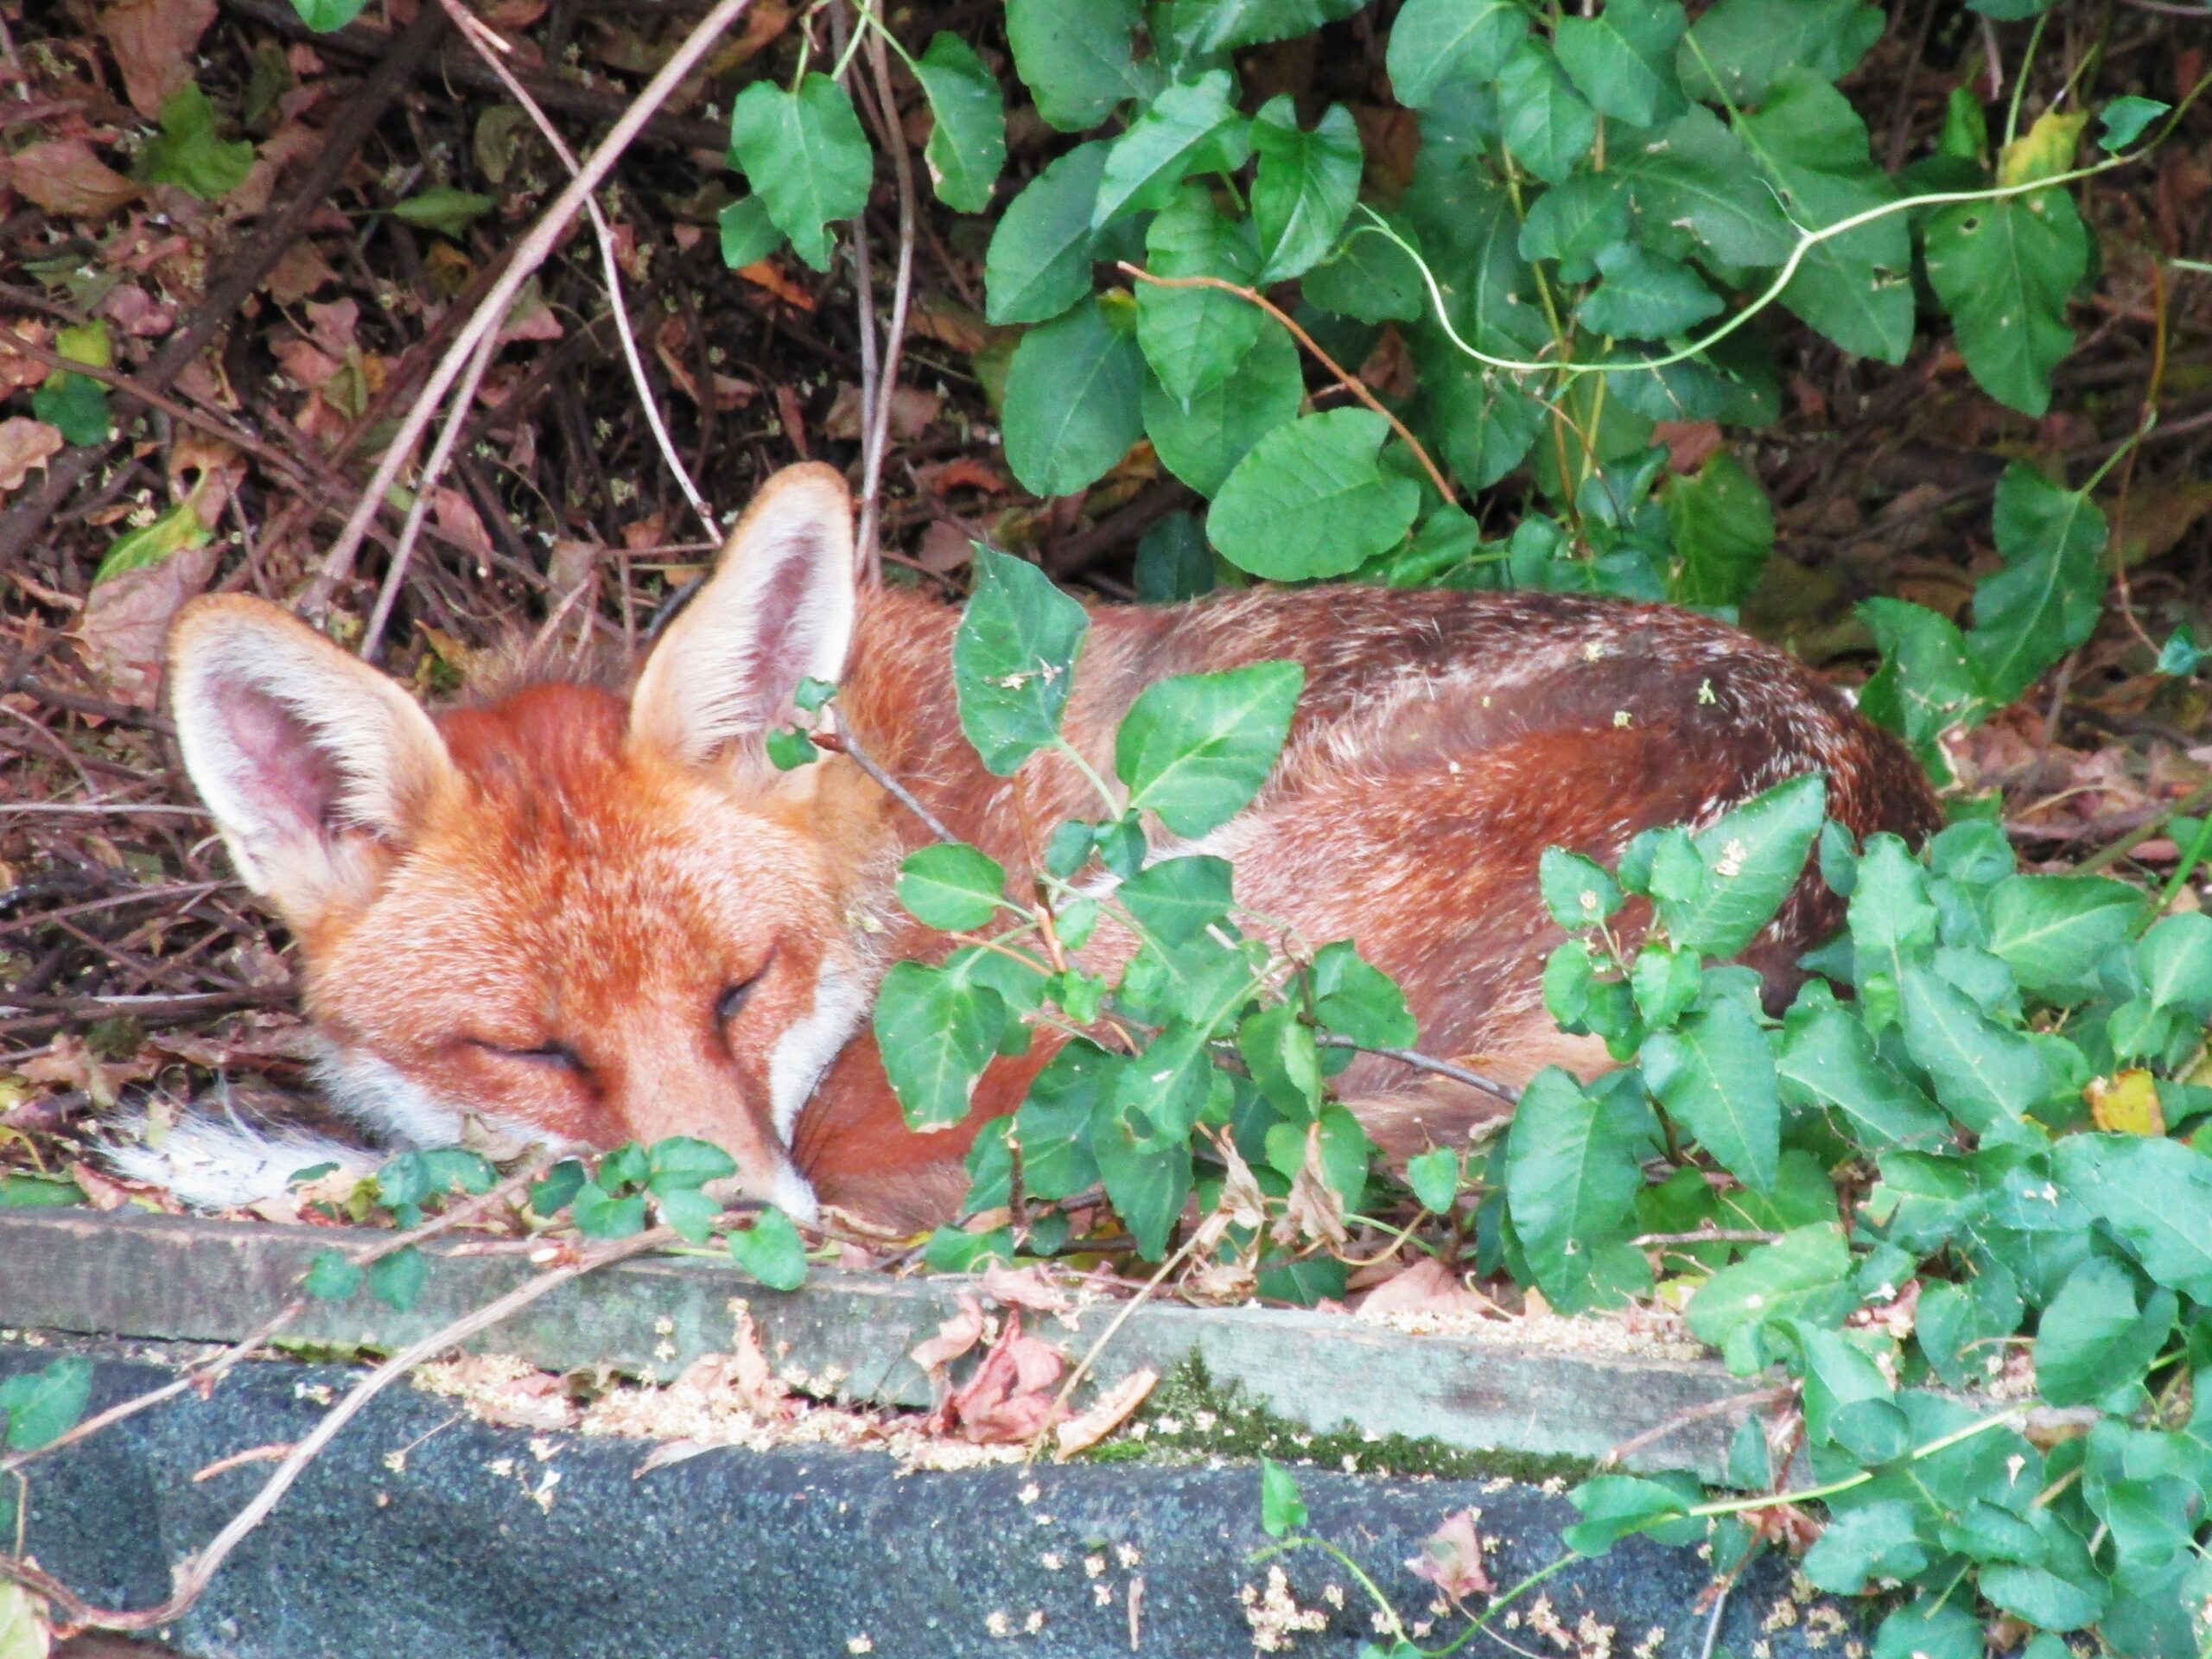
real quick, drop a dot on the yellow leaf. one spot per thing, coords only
(2128, 1104)
(86, 343)
(25, 1633)
(2047, 149)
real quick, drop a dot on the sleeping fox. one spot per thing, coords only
(576, 917)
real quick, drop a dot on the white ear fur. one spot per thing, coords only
(293, 744)
(779, 609)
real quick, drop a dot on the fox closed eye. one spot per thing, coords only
(551, 1054)
(732, 1001)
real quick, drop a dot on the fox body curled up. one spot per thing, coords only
(577, 917)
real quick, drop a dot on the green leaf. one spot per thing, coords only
(1194, 338)
(396, 1280)
(2126, 119)
(186, 152)
(1192, 127)
(599, 1214)
(2003, 270)
(2176, 959)
(1753, 855)
(1715, 1076)
(1614, 1507)
(1283, 1511)
(1855, 288)
(790, 748)
(1071, 401)
(1195, 748)
(1749, 44)
(1644, 296)
(1434, 1178)
(1311, 500)
(967, 144)
(43, 1406)
(1800, 1276)
(1434, 41)
(1926, 684)
(1688, 179)
(1177, 899)
(951, 885)
(1203, 444)
(2053, 931)
(1544, 121)
(1579, 892)
(1369, 278)
(937, 1030)
(1573, 223)
(2093, 1338)
(1723, 530)
(771, 1250)
(1055, 1117)
(689, 1210)
(2047, 599)
(323, 16)
(412, 1177)
(1828, 1059)
(1934, 1627)
(1013, 659)
(1847, 1401)
(1355, 999)
(1173, 561)
(1147, 1181)
(175, 530)
(1623, 60)
(74, 404)
(806, 157)
(1571, 1181)
(447, 210)
(1078, 61)
(748, 234)
(1306, 184)
(1879, 1540)
(1987, 1076)
(1038, 264)
(1284, 1064)
(331, 1277)
(2154, 1194)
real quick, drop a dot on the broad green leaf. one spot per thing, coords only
(1810, 143)
(1687, 181)
(1358, 1000)
(1203, 443)
(683, 1160)
(937, 1030)
(73, 405)
(1828, 1059)
(397, 1281)
(2094, 1337)
(1644, 296)
(2063, 1592)
(1738, 48)
(1573, 222)
(1054, 1120)
(1877, 1540)
(1434, 42)
(951, 885)
(1072, 405)
(1195, 748)
(771, 1250)
(1488, 422)
(1664, 983)
(1038, 264)
(1985, 1075)
(2045, 150)
(1927, 684)
(1571, 1181)
(1623, 60)
(1934, 1627)
(1847, 1401)
(332, 1277)
(2003, 270)
(1176, 899)
(967, 144)
(2047, 599)
(1753, 855)
(2176, 959)
(2155, 1194)
(175, 530)
(43, 1406)
(1723, 530)
(1283, 1061)
(1305, 186)
(186, 152)
(445, 210)
(1434, 1178)
(1803, 1274)
(806, 157)
(1192, 127)
(1013, 659)
(689, 1210)
(2053, 931)
(1614, 1507)
(323, 16)
(1194, 338)
(1283, 1511)
(1544, 121)
(1310, 498)
(1715, 1077)
(599, 1214)
(1078, 61)
(1146, 1182)
(748, 235)
(411, 1177)
(2126, 119)
(1200, 28)
(1173, 561)
(1579, 892)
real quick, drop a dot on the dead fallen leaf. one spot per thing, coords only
(962, 472)
(793, 417)
(126, 619)
(944, 548)
(63, 176)
(1009, 1399)
(1111, 1410)
(769, 274)
(152, 41)
(1428, 1287)
(132, 308)
(101, 1190)
(1451, 1558)
(298, 273)
(1023, 1288)
(1688, 442)
(19, 370)
(454, 513)
(24, 443)
(955, 1336)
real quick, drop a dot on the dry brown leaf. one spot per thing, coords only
(1023, 1288)
(19, 370)
(1451, 1558)
(944, 318)
(126, 619)
(63, 176)
(1108, 1413)
(962, 472)
(298, 273)
(1688, 442)
(955, 1336)
(793, 417)
(944, 548)
(1010, 1398)
(1428, 1287)
(101, 1190)
(769, 274)
(454, 513)
(152, 41)
(24, 443)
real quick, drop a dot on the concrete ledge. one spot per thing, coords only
(135, 1274)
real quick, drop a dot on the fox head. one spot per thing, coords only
(568, 917)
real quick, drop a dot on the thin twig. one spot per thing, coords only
(1350, 381)
(529, 255)
(863, 283)
(841, 741)
(1682, 1420)
(1711, 1236)
(894, 330)
(1422, 1063)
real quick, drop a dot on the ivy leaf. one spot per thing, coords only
(1987, 1076)
(186, 152)
(951, 885)
(599, 1214)
(1306, 184)
(1203, 441)
(1571, 1181)
(2093, 1338)
(771, 1250)
(967, 144)
(1687, 182)
(1752, 856)
(2003, 270)
(1039, 263)
(1644, 296)
(748, 235)
(1715, 1076)
(937, 1030)
(1828, 1059)
(1192, 127)
(1434, 1178)
(1749, 44)
(1071, 401)
(1195, 748)
(2155, 1194)
(1013, 659)
(1723, 530)
(1310, 499)
(1434, 41)
(1078, 61)
(806, 157)
(1283, 1511)
(1927, 684)
(1177, 899)
(1544, 121)
(1194, 338)
(1623, 60)
(331, 1277)
(1355, 999)
(2053, 931)
(2047, 599)
(396, 1280)
(2126, 119)
(43, 1406)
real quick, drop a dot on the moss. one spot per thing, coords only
(1191, 1418)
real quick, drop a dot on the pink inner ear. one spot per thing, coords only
(293, 784)
(787, 634)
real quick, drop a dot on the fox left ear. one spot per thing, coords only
(779, 609)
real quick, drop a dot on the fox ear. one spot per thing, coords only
(779, 609)
(313, 763)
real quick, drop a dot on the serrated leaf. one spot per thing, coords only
(1434, 41)
(1038, 264)
(1078, 61)
(1054, 1119)
(967, 143)
(2047, 599)
(1194, 338)
(2003, 270)
(1715, 1076)
(771, 1250)
(1013, 659)
(805, 157)
(1623, 60)
(1196, 747)
(1188, 128)
(1203, 443)
(1311, 500)
(1146, 1182)
(1305, 186)
(1544, 122)
(1283, 1061)
(1073, 406)
(1579, 892)
(951, 885)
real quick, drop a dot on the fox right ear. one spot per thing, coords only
(312, 762)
